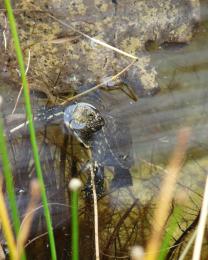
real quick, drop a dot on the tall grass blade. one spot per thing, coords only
(75, 235)
(8, 176)
(31, 126)
(74, 185)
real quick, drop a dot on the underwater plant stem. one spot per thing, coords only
(75, 228)
(31, 126)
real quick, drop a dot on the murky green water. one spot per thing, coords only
(125, 214)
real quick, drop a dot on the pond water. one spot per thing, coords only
(146, 131)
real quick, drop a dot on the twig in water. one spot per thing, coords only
(97, 253)
(99, 85)
(35, 238)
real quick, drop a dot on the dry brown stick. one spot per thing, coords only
(99, 85)
(97, 41)
(95, 205)
(97, 252)
(36, 238)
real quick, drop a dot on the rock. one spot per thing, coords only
(62, 59)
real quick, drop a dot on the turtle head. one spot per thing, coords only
(83, 120)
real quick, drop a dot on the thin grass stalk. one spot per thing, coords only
(74, 185)
(31, 126)
(8, 176)
(75, 231)
(6, 226)
(188, 246)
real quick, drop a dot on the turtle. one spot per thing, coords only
(108, 138)
(110, 147)
(81, 119)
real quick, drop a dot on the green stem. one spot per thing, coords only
(31, 126)
(8, 178)
(176, 216)
(75, 228)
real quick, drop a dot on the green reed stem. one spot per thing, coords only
(8, 178)
(175, 218)
(31, 126)
(74, 186)
(75, 228)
